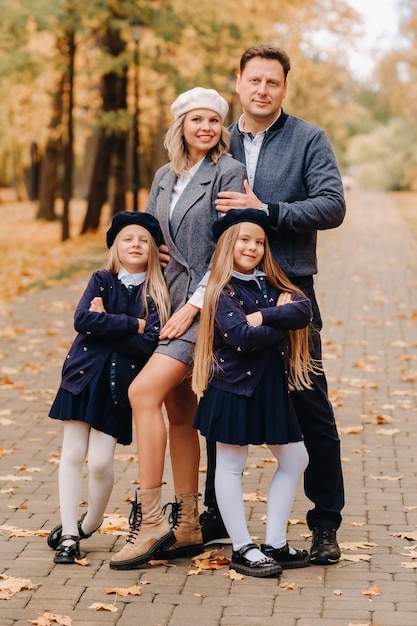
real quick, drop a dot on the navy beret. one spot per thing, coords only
(125, 218)
(237, 216)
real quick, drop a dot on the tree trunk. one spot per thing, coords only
(119, 174)
(69, 137)
(49, 183)
(97, 194)
(110, 154)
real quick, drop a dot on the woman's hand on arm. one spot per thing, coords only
(179, 322)
(163, 255)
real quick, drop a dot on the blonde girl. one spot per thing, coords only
(118, 321)
(252, 348)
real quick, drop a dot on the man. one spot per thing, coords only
(293, 176)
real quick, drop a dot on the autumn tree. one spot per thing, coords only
(185, 43)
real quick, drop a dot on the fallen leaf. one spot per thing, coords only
(21, 532)
(234, 575)
(125, 591)
(389, 478)
(338, 592)
(406, 535)
(215, 562)
(372, 591)
(11, 585)
(12, 479)
(410, 377)
(100, 606)
(4, 452)
(388, 431)
(84, 562)
(355, 558)
(290, 586)
(126, 457)
(254, 497)
(205, 555)
(350, 430)
(357, 545)
(412, 554)
(380, 419)
(25, 468)
(6, 422)
(194, 572)
(46, 619)
(114, 524)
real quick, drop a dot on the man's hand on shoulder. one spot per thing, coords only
(227, 200)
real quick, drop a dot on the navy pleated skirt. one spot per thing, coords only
(268, 416)
(95, 406)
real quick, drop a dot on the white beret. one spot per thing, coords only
(200, 98)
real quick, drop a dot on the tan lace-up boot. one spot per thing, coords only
(185, 523)
(149, 531)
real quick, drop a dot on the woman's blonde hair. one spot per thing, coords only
(301, 364)
(154, 284)
(177, 148)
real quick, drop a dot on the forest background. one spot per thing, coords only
(72, 78)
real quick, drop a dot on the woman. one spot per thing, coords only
(182, 198)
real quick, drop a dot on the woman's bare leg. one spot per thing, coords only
(181, 404)
(147, 393)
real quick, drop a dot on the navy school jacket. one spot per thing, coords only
(115, 332)
(242, 351)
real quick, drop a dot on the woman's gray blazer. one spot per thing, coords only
(189, 234)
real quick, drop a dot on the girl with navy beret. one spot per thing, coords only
(118, 321)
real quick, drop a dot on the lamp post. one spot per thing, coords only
(136, 28)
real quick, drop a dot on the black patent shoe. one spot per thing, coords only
(285, 558)
(263, 568)
(54, 537)
(324, 548)
(66, 554)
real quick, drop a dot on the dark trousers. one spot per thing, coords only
(323, 479)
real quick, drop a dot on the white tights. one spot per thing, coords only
(230, 462)
(80, 441)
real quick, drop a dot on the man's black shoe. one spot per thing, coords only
(324, 548)
(213, 529)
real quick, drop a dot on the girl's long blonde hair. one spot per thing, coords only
(177, 148)
(301, 364)
(154, 284)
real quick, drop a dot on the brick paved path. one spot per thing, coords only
(367, 290)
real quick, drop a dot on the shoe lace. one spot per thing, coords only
(174, 518)
(135, 520)
(325, 535)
